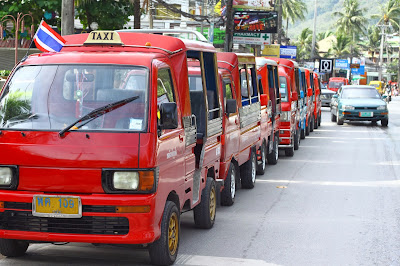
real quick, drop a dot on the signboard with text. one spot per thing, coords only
(252, 4)
(341, 63)
(256, 21)
(272, 50)
(288, 52)
(252, 38)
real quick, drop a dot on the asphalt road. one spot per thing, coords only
(336, 202)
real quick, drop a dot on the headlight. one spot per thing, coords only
(382, 107)
(8, 177)
(347, 107)
(285, 116)
(5, 176)
(126, 180)
(130, 180)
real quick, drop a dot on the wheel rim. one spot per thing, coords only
(253, 169)
(233, 184)
(213, 203)
(173, 234)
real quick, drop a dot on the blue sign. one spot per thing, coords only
(342, 63)
(288, 52)
(358, 71)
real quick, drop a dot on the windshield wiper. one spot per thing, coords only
(96, 113)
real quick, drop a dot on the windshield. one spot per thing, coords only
(335, 84)
(351, 93)
(51, 97)
(283, 89)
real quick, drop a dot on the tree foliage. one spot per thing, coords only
(351, 20)
(109, 15)
(37, 8)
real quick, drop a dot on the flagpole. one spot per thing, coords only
(30, 45)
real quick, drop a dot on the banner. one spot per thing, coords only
(289, 52)
(256, 21)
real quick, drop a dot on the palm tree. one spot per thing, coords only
(293, 10)
(373, 42)
(341, 47)
(304, 44)
(323, 35)
(351, 21)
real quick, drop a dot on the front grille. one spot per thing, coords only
(85, 208)
(25, 221)
(365, 108)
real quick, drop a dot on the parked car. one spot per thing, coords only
(359, 103)
(326, 97)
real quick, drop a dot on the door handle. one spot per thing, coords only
(180, 138)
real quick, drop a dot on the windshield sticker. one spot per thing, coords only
(135, 124)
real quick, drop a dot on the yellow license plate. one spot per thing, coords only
(57, 206)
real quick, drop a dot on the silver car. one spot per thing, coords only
(326, 96)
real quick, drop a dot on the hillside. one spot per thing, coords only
(325, 18)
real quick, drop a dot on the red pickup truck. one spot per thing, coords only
(105, 143)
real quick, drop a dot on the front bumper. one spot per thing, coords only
(354, 115)
(285, 137)
(100, 223)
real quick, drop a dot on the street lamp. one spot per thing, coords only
(19, 20)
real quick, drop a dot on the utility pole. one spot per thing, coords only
(229, 26)
(314, 30)
(67, 17)
(151, 8)
(280, 21)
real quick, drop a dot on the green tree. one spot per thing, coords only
(38, 9)
(389, 13)
(109, 15)
(341, 47)
(323, 35)
(293, 10)
(351, 20)
(303, 44)
(373, 42)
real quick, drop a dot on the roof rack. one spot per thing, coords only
(197, 34)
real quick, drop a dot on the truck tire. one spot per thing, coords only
(290, 151)
(204, 213)
(316, 122)
(302, 133)
(333, 117)
(273, 156)
(338, 120)
(12, 247)
(308, 127)
(319, 119)
(229, 191)
(297, 140)
(248, 172)
(165, 249)
(263, 161)
(312, 123)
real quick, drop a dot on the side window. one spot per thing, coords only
(228, 89)
(244, 86)
(276, 79)
(165, 89)
(253, 84)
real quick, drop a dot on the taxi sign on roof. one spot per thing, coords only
(103, 38)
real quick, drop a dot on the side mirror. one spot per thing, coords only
(335, 96)
(309, 92)
(295, 96)
(168, 116)
(301, 94)
(384, 97)
(264, 99)
(231, 106)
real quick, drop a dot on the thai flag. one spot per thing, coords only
(47, 40)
